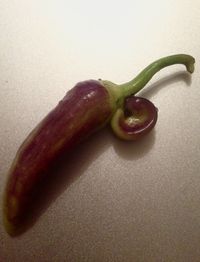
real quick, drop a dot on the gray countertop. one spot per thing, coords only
(124, 201)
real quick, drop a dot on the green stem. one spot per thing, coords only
(132, 87)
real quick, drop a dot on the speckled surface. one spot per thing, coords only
(119, 201)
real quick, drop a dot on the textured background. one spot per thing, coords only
(123, 201)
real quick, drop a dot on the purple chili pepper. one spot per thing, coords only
(87, 107)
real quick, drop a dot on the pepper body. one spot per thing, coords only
(83, 110)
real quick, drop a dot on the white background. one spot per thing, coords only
(126, 201)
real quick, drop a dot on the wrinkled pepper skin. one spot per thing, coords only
(85, 108)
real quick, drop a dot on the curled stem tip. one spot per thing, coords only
(135, 85)
(145, 76)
